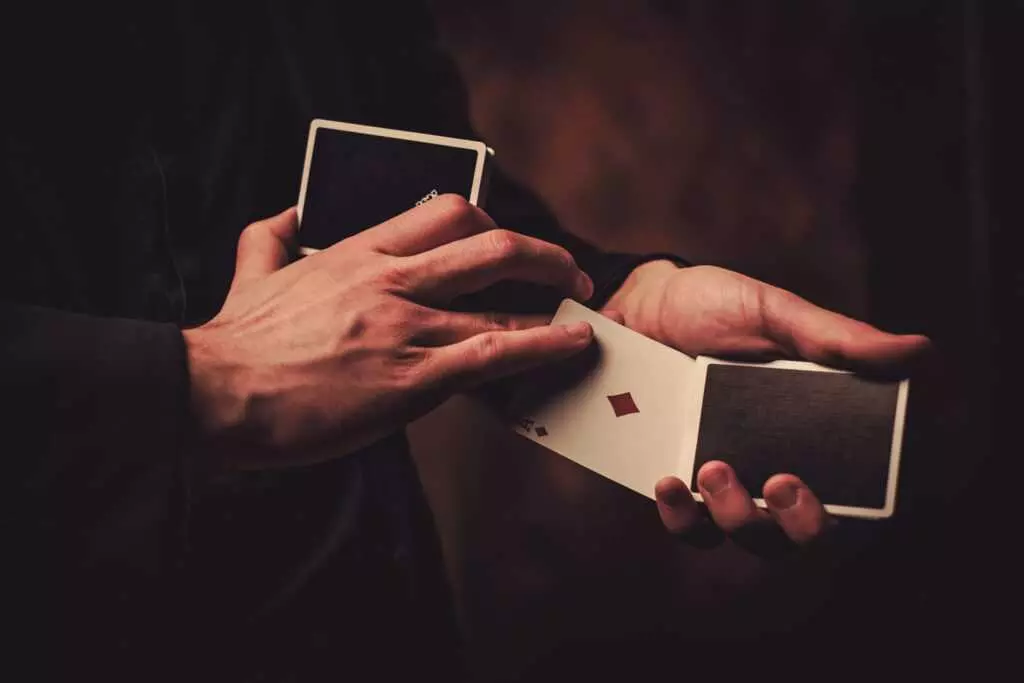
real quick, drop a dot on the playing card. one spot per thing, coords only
(358, 176)
(622, 415)
(839, 432)
(634, 410)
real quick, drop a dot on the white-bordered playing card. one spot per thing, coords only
(623, 418)
(358, 176)
(840, 432)
(638, 410)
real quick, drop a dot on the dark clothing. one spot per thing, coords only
(138, 147)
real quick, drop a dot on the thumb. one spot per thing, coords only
(822, 336)
(265, 247)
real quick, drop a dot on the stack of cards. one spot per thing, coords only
(639, 411)
(358, 176)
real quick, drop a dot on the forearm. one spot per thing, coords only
(95, 502)
(93, 406)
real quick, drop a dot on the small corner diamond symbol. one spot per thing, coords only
(541, 431)
(623, 404)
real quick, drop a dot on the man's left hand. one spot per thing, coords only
(704, 310)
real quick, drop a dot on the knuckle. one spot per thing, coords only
(488, 348)
(454, 207)
(251, 232)
(414, 324)
(407, 369)
(392, 275)
(406, 359)
(411, 316)
(354, 324)
(396, 318)
(375, 318)
(504, 244)
(564, 259)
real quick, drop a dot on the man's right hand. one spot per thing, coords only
(314, 359)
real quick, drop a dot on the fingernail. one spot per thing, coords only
(782, 497)
(715, 481)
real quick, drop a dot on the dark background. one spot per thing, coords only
(865, 155)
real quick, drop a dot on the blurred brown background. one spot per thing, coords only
(826, 147)
(723, 131)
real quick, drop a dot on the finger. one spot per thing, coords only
(444, 327)
(439, 221)
(678, 510)
(264, 247)
(822, 336)
(471, 264)
(727, 500)
(491, 355)
(795, 507)
(616, 317)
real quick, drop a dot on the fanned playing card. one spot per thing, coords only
(617, 411)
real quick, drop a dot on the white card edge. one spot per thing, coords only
(688, 455)
(804, 365)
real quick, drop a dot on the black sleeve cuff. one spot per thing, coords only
(99, 412)
(514, 207)
(112, 385)
(94, 467)
(613, 269)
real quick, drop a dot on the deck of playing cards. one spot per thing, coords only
(639, 411)
(359, 176)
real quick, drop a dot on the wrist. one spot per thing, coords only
(641, 295)
(217, 407)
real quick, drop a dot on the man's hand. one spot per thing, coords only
(314, 359)
(793, 509)
(712, 311)
(716, 312)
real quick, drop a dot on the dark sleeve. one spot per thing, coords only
(95, 415)
(114, 388)
(514, 207)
